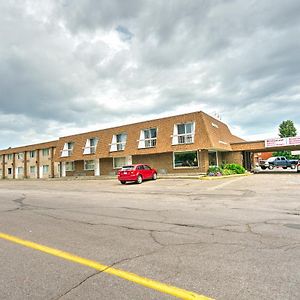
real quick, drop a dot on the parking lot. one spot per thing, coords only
(236, 238)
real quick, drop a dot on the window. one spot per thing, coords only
(32, 169)
(70, 166)
(9, 171)
(89, 165)
(119, 162)
(67, 150)
(20, 155)
(20, 170)
(32, 154)
(10, 156)
(46, 152)
(118, 142)
(183, 133)
(140, 168)
(187, 159)
(90, 146)
(45, 169)
(212, 158)
(148, 138)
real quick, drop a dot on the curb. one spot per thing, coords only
(224, 177)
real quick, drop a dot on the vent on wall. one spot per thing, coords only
(214, 125)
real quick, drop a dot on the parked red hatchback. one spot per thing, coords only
(137, 173)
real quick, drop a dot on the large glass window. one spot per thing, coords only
(10, 156)
(20, 170)
(32, 154)
(183, 133)
(20, 155)
(89, 165)
(187, 159)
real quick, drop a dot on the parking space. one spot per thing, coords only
(234, 238)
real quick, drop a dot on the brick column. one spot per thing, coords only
(14, 165)
(25, 164)
(52, 162)
(204, 163)
(38, 163)
(3, 166)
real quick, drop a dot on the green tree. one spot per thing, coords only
(286, 129)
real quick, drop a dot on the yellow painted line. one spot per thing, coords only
(152, 284)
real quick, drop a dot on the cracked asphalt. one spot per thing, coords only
(236, 238)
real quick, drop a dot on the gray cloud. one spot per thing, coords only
(70, 66)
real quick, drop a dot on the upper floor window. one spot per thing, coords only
(46, 152)
(31, 154)
(68, 149)
(10, 156)
(148, 138)
(90, 146)
(20, 155)
(118, 142)
(183, 133)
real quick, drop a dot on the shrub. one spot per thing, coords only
(228, 172)
(214, 171)
(236, 168)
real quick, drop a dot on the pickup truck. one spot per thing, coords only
(278, 161)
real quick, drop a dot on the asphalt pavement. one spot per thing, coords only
(236, 238)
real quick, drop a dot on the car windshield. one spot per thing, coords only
(271, 159)
(127, 168)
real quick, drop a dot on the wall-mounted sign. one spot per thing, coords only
(279, 142)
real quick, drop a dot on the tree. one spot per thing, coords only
(286, 129)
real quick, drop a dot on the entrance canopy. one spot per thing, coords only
(268, 145)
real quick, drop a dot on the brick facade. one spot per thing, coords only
(209, 134)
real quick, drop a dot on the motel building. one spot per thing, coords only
(187, 143)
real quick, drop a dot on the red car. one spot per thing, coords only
(138, 173)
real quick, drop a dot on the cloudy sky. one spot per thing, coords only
(74, 66)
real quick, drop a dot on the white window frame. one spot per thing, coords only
(85, 164)
(147, 142)
(68, 163)
(186, 167)
(185, 138)
(32, 154)
(118, 146)
(18, 170)
(88, 149)
(217, 157)
(10, 156)
(67, 150)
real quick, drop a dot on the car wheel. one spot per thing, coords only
(139, 179)
(271, 167)
(293, 167)
(284, 168)
(123, 182)
(263, 168)
(154, 176)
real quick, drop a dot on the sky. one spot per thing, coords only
(74, 66)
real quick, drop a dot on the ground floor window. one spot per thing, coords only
(9, 171)
(188, 159)
(212, 158)
(45, 169)
(70, 166)
(32, 169)
(119, 162)
(89, 165)
(20, 170)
